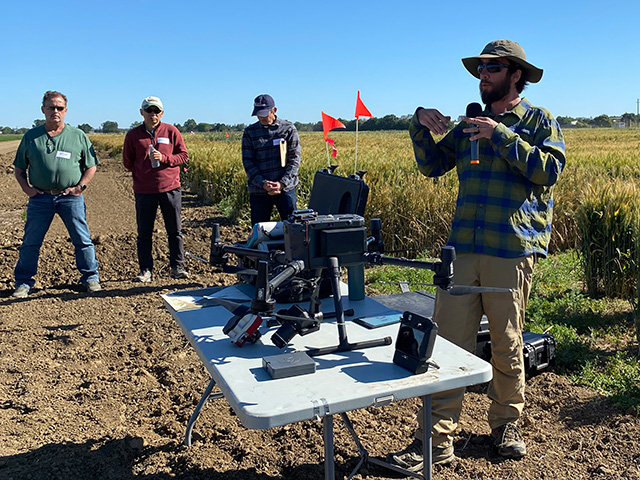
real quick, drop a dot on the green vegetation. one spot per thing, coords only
(594, 327)
(9, 137)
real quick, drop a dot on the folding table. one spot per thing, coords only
(342, 382)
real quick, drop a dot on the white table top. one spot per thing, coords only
(342, 382)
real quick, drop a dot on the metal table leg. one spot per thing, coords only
(205, 396)
(364, 454)
(426, 442)
(329, 461)
(426, 438)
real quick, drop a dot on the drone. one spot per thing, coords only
(305, 263)
(315, 248)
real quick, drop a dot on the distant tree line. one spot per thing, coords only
(388, 122)
(602, 121)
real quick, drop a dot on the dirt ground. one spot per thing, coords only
(101, 386)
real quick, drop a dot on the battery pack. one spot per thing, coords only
(288, 365)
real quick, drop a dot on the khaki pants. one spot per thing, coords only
(458, 319)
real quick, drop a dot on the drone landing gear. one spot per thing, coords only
(333, 271)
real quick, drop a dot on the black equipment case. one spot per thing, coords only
(333, 194)
(539, 350)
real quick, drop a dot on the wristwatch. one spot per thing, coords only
(82, 186)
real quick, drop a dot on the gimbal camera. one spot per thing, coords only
(316, 246)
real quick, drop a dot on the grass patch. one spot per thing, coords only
(9, 137)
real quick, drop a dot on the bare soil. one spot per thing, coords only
(101, 386)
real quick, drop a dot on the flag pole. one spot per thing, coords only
(326, 144)
(355, 163)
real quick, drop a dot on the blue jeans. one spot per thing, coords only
(262, 205)
(40, 212)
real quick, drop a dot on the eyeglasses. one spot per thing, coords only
(55, 107)
(491, 67)
(155, 110)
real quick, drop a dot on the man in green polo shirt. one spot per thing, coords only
(54, 164)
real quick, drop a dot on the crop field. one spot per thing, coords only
(416, 211)
(9, 137)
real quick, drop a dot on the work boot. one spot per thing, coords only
(411, 457)
(22, 291)
(144, 276)
(93, 286)
(179, 272)
(508, 441)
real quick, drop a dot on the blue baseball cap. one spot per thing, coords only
(262, 105)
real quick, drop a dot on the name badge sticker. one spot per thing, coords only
(61, 154)
(278, 141)
(163, 140)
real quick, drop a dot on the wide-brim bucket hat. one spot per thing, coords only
(504, 49)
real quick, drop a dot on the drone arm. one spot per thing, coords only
(263, 301)
(289, 271)
(380, 259)
(220, 252)
(443, 269)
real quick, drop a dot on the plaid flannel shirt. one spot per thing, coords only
(261, 155)
(505, 203)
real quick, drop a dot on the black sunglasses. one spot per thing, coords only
(155, 110)
(491, 67)
(55, 107)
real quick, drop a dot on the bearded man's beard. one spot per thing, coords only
(498, 92)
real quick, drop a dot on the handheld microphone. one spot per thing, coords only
(474, 110)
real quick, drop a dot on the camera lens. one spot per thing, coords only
(284, 334)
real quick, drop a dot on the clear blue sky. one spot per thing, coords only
(207, 60)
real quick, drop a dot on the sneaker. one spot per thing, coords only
(411, 457)
(144, 277)
(179, 272)
(22, 291)
(93, 286)
(508, 441)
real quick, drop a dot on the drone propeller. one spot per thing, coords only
(457, 290)
(226, 268)
(235, 308)
(239, 270)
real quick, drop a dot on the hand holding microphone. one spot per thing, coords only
(479, 127)
(474, 110)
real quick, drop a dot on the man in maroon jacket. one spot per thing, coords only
(153, 152)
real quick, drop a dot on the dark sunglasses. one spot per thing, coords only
(155, 110)
(55, 107)
(491, 67)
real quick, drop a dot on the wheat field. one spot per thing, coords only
(416, 211)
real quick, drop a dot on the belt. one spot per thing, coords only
(53, 192)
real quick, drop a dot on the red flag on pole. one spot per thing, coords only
(361, 110)
(329, 123)
(334, 150)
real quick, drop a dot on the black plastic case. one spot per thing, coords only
(335, 194)
(539, 351)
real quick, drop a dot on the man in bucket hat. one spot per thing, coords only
(502, 224)
(271, 158)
